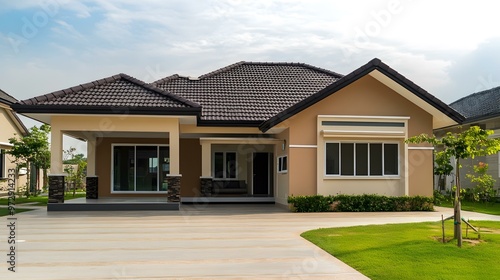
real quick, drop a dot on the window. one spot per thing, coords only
(224, 165)
(140, 168)
(2, 163)
(362, 159)
(282, 164)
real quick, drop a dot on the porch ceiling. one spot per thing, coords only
(83, 135)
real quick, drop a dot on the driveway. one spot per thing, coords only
(198, 242)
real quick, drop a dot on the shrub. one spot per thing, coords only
(360, 203)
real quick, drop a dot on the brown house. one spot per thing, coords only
(253, 132)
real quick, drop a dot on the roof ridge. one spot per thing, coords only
(166, 79)
(222, 70)
(337, 75)
(475, 94)
(158, 90)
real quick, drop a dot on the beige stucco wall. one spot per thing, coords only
(365, 97)
(282, 180)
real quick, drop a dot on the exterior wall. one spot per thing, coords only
(190, 167)
(8, 130)
(103, 163)
(421, 164)
(365, 97)
(282, 180)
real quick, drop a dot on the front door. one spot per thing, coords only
(261, 178)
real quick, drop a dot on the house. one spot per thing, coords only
(479, 109)
(11, 125)
(253, 132)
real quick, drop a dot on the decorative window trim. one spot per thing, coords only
(283, 164)
(368, 176)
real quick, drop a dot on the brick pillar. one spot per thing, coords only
(56, 189)
(206, 186)
(92, 187)
(174, 188)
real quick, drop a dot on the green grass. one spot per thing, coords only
(480, 207)
(40, 200)
(5, 211)
(413, 251)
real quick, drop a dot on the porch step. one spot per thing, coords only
(114, 206)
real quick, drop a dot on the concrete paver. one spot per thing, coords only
(198, 242)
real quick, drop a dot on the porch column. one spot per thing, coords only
(92, 182)
(56, 150)
(206, 150)
(174, 150)
(91, 142)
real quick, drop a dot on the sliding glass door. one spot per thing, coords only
(140, 168)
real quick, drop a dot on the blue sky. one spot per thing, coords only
(450, 48)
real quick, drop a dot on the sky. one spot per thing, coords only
(449, 48)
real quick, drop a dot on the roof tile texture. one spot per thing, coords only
(116, 91)
(479, 105)
(249, 91)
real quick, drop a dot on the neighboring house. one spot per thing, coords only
(249, 132)
(10, 124)
(480, 109)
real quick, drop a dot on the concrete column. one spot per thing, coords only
(174, 150)
(56, 150)
(206, 150)
(91, 146)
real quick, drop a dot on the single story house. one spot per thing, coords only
(479, 109)
(248, 132)
(11, 125)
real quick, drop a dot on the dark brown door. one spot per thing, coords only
(261, 173)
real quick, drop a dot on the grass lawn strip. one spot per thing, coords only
(492, 208)
(413, 251)
(40, 200)
(5, 211)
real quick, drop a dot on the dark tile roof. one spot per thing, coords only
(112, 93)
(480, 105)
(250, 92)
(374, 64)
(6, 98)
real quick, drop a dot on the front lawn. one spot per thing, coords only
(413, 251)
(480, 207)
(5, 211)
(40, 200)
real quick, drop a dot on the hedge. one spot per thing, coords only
(360, 203)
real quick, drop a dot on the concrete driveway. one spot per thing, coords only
(198, 242)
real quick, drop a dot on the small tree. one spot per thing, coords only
(484, 182)
(467, 144)
(76, 177)
(32, 148)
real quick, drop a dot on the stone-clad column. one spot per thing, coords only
(206, 186)
(92, 188)
(56, 188)
(174, 188)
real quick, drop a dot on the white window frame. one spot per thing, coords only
(369, 176)
(224, 167)
(280, 161)
(135, 167)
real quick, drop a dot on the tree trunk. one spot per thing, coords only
(457, 217)
(28, 179)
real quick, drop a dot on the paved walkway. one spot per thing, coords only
(198, 242)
